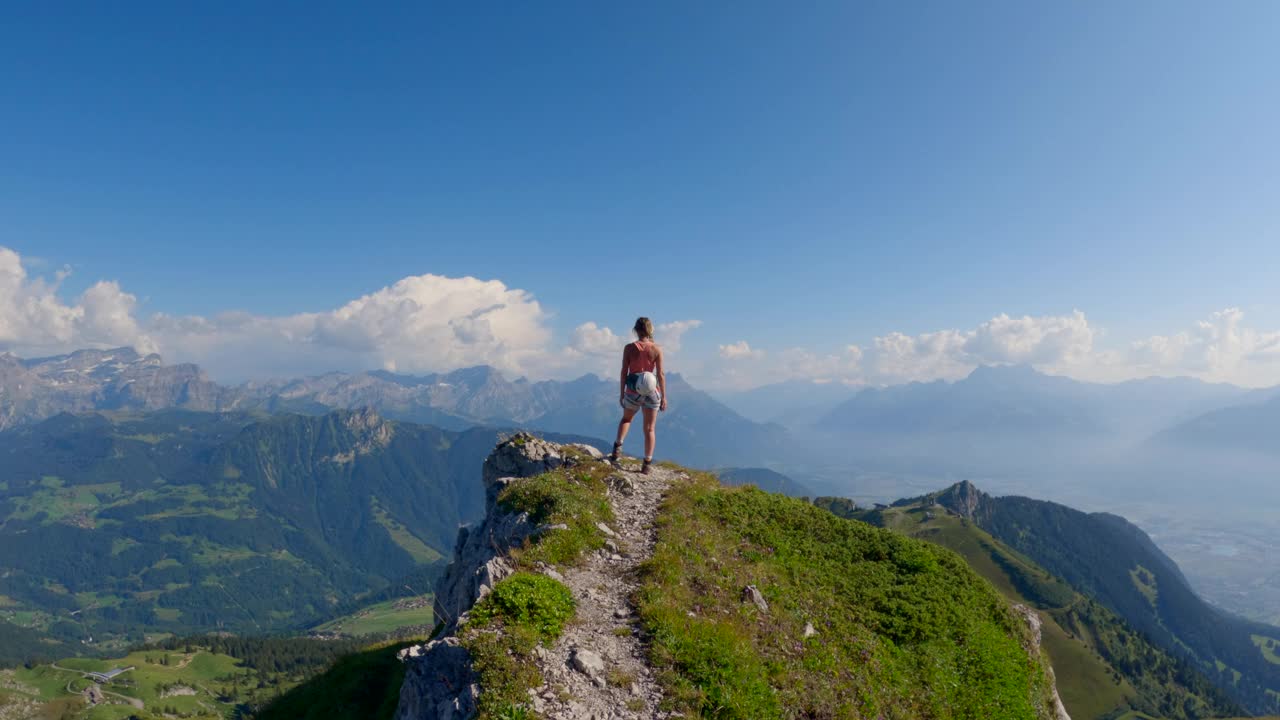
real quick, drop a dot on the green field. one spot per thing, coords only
(197, 684)
(384, 617)
(1270, 648)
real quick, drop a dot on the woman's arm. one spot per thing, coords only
(662, 380)
(622, 380)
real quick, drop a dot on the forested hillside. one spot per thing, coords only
(111, 529)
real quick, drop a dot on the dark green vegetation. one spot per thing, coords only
(1107, 558)
(523, 611)
(904, 629)
(528, 600)
(364, 685)
(117, 529)
(1103, 666)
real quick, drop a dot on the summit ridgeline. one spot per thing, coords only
(590, 591)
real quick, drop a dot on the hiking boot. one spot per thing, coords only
(617, 450)
(647, 468)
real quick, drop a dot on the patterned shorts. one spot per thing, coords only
(633, 400)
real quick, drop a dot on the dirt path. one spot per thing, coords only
(597, 669)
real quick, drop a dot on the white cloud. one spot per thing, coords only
(1218, 348)
(429, 322)
(739, 350)
(591, 339)
(35, 321)
(1051, 342)
(421, 323)
(670, 334)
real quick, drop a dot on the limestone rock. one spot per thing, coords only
(587, 662)
(752, 594)
(438, 682)
(588, 449)
(1032, 618)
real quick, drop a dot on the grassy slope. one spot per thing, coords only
(904, 629)
(383, 617)
(1084, 679)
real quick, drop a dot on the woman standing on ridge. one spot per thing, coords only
(643, 386)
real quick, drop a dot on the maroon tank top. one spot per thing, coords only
(642, 360)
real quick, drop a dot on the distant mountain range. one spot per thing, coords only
(1106, 558)
(697, 430)
(1254, 428)
(765, 479)
(1019, 399)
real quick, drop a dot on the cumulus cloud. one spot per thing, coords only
(591, 339)
(1220, 347)
(738, 350)
(1051, 342)
(420, 323)
(671, 334)
(430, 322)
(34, 320)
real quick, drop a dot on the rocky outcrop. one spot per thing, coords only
(1033, 621)
(966, 500)
(439, 684)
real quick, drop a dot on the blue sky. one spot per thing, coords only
(799, 178)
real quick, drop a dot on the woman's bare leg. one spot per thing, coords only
(624, 425)
(650, 433)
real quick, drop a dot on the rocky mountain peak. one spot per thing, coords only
(371, 433)
(965, 499)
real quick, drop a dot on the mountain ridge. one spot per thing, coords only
(697, 430)
(1108, 558)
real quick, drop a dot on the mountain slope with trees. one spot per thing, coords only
(182, 521)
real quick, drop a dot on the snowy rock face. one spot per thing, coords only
(438, 682)
(120, 379)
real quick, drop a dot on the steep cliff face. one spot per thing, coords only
(439, 683)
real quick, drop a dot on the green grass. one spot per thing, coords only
(1084, 680)
(1269, 646)
(1145, 582)
(149, 682)
(501, 632)
(418, 550)
(905, 628)
(384, 617)
(576, 498)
